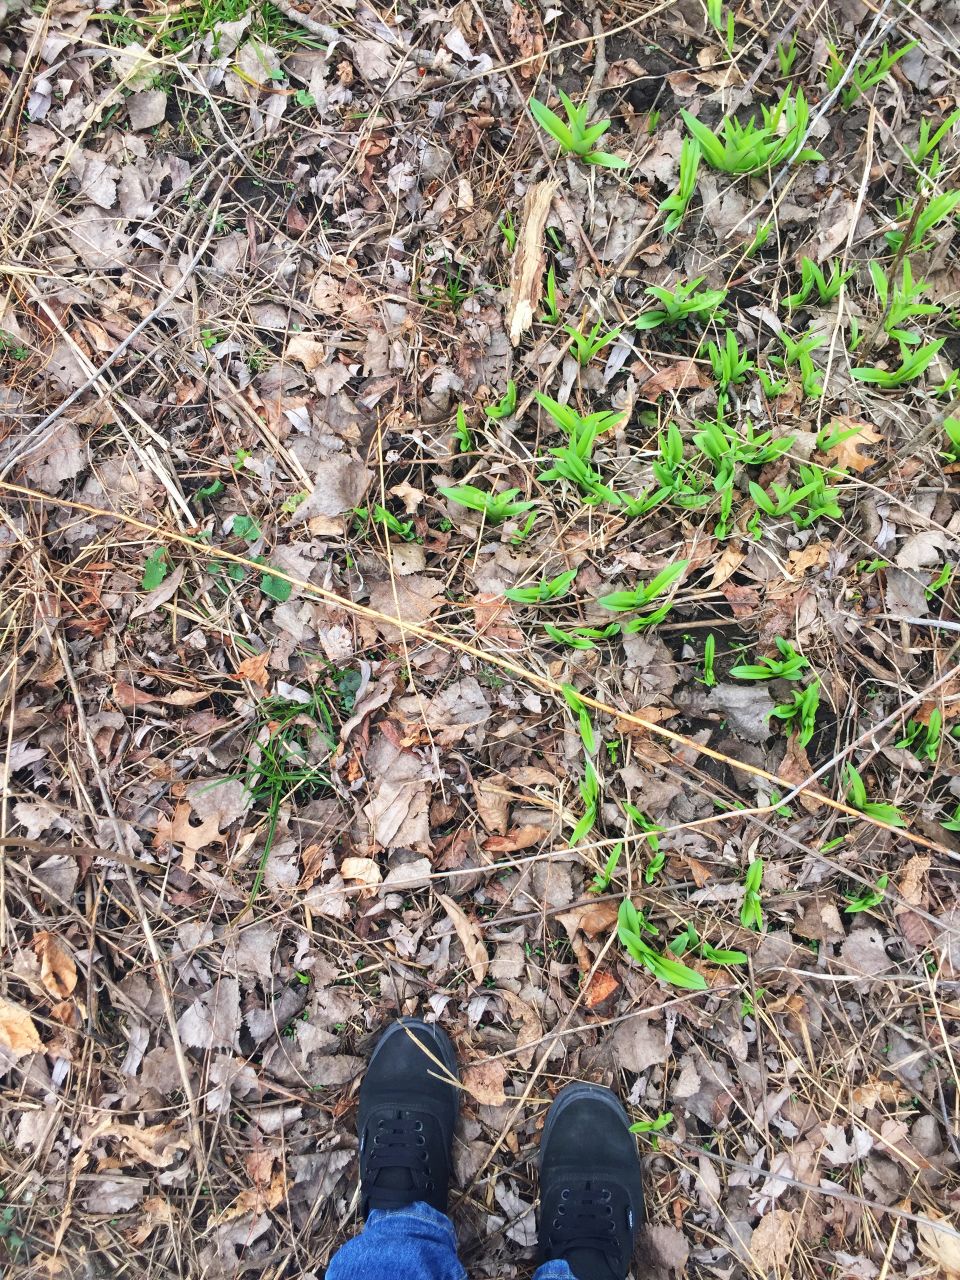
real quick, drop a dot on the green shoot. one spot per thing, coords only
(380, 515)
(898, 302)
(496, 507)
(788, 666)
(952, 823)
(682, 305)
(544, 591)
(651, 831)
(579, 708)
(865, 76)
(551, 311)
(945, 574)
(674, 208)
(508, 231)
(730, 365)
(927, 143)
(952, 427)
(461, 432)
(505, 405)
(581, 637)
(797, 351)
(643, 594)
(856, 798)
(653, 1126)
(913, 364)
(812, 277)
(690, 940)
(753, 148)
(575, 137)
(631, 926)
(872, 898)
(709, 677)
(801, 713)
(751, 912)
(924, 739)
(787, 55)
(586, 345)
(936, 211)
(590, 794)
(601, 881)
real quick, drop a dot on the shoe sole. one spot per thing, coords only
(433, 1033)
(580, 1093)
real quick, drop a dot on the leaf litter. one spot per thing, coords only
(283, 759)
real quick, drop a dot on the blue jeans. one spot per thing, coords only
(411, 1244)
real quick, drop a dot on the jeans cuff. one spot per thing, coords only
(418, 1212)
(557, 1269)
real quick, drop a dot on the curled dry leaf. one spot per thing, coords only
(58, 972)
(18, 1032)
(469, 935)
(364, 870)
(938, 1246)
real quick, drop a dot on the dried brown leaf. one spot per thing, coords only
(58, 972)
(18, 1034)
(470, 938)
(484, 1082)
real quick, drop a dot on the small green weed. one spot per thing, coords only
(788, 666)
(751, 912)
(812, 277)
(924, 739)
(545, 591)
(575, 137)
(755, 147)
(856, 798)
(640, 596)
(800, 714)
(631, 926)
(551, 309)
(871, 898)
(155, 569)
(674, 207)
(509, 232)
(682, 305)
(864, 76)
(586, 345)
(380, 515)
(495, 507)
(913, 364)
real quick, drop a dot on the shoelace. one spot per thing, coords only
(584, 1219)
(398, 1144)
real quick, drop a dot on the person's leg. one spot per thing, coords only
(408, 1110)
(402, 1244)
(591, 1193)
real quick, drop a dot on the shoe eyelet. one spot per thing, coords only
(418, 1126)
(565, 1194)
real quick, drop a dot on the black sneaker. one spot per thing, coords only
(591, 1194)
(408, 1110)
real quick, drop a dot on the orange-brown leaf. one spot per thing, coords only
(58, 972)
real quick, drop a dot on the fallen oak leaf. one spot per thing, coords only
(58, 972)
(254, 669)
(846, 454)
